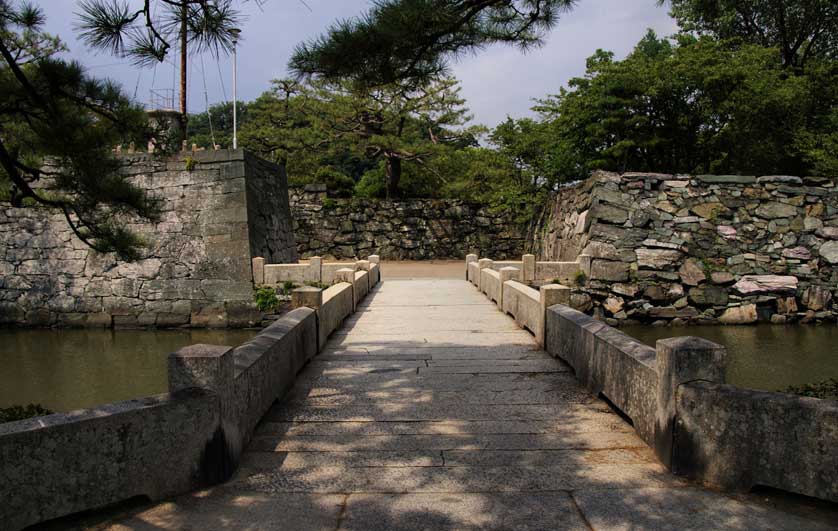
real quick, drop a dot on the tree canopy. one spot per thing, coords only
(411, 41)
(802, 30)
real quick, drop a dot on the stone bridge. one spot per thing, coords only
(430, 409)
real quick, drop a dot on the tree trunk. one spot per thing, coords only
(393, 169)
(183, 16)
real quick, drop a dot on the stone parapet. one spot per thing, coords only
(162, 446)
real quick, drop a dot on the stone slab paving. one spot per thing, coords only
(430, 410)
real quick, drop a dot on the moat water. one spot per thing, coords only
(71, 369)
(767, 357)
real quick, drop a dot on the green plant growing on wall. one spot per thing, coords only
(580, 278)
(266, 299)
(287, 286)
(329, 203)
(13, 413)
(190, 163)
(315, 284)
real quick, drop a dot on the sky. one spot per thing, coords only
(497, 82)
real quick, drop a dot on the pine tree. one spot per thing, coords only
(57, 129)
(401, 41)
(147, 37)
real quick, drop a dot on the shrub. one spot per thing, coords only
(287, 286)
(827, 389)
(315, 284)
(13, 413)
(266, 299)
(580, 278)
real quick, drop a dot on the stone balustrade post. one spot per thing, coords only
(315, 267)
(211, 367)
(347, 275)
(681, 360)
(258, 267)
(363, 265)
(507, 273)
(482, 264)
(374, 259)
(550, 295)
(527, 268)
(307, 296)
(469, 259)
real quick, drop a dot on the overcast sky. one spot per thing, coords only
(497, 82)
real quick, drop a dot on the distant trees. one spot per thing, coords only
(693, 106)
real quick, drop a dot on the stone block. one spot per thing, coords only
(609, 271)
(658, 258)
(681, 360)
(761, 284)
(307, 296)
(258, 266)
(744, 314)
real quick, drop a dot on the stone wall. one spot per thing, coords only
(705, 249)
(414, 229)
(196, 270)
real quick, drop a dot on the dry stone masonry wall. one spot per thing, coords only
(415, 229)
(702, 249)
(220, 209)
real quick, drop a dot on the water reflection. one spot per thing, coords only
(71, 369)
(765, 357)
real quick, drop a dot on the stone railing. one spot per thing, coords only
(313, 270)
(169, 444)
(675, 394)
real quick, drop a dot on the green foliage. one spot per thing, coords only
(801, 30)
(145, 35)
(266, 299)
(337, 183)
(190, 163)
(695, 106)
(216, 123)
(58, 127)
(329, 203)
(13, 413)
(580, 278)
(827, 389)
(316, 284)
(410, 41)
(288, 286)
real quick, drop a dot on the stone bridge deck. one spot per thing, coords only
(431, 410)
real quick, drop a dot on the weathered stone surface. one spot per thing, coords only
(229, 208)
(830, 233)
(709, 210)
(657, 258)
(709, 295)
(798, 253)
(780, 179)
(758, 284)
(609, 213)
(722, 277)
(613, 304)
(817, 298)
(608, 270)
(409, 229)
(829, 252)
(774, 209)
(692, 273)
(739, 315)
